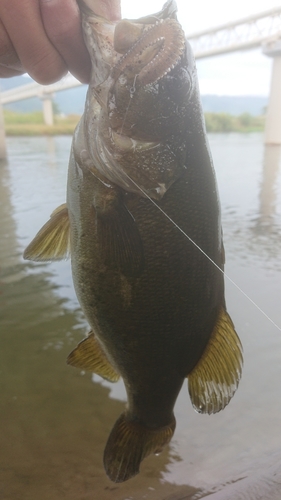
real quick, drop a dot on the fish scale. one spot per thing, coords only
(155, 304)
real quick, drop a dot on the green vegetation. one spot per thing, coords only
(223, 122)
(33, 123)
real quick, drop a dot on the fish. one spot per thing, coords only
(142, 226)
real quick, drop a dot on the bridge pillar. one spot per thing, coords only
(273, 116)
(3, 149)
(48, 109)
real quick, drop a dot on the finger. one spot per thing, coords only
(38, 56)
(62, 23)
(10, 64)
(9, 73)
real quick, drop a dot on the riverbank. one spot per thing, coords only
(55, 421)
(30, 124)
(224, 122)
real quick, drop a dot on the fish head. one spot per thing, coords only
(140, 99)
(146, 91)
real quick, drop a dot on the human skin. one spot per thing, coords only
(44, 38)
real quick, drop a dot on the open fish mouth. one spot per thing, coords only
(154, 54)
(143, 74)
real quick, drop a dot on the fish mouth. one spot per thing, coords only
(130, 38)
(153, 54)
(136, 66)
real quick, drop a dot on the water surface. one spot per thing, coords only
(55, 420)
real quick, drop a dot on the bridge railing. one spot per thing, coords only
(243, 34)
(258, 30)
(35, 90)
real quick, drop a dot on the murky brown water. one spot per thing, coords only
(54, 421)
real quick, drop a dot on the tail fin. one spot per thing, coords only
(129, 443)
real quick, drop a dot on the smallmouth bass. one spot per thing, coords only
(154, 302)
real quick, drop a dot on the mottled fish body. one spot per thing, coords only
(155, 303)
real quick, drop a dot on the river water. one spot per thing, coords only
(54, 420)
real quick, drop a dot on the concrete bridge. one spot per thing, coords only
(260, 30)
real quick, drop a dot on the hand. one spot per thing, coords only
(44, 38)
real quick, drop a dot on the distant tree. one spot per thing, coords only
(246, 119)
(56, 109)
(224, 122)
(219, 122)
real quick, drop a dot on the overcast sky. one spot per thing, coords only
(241, 73)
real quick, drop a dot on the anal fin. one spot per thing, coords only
(52, 242)
(89, 356)
(215, 378)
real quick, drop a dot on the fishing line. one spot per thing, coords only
(132, 91)
(205, 254)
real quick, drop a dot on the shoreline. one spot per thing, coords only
(40, 130)
(56, 131)
(32, 124)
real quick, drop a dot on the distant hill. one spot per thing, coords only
(72, 101)
(234, 105)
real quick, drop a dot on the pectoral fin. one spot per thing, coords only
(88, 355)
(120, 240)
(52, 242)
(215, 378)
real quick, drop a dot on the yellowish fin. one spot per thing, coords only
(129, 443)
(89, 355)
(215, 378)
(52, 242)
